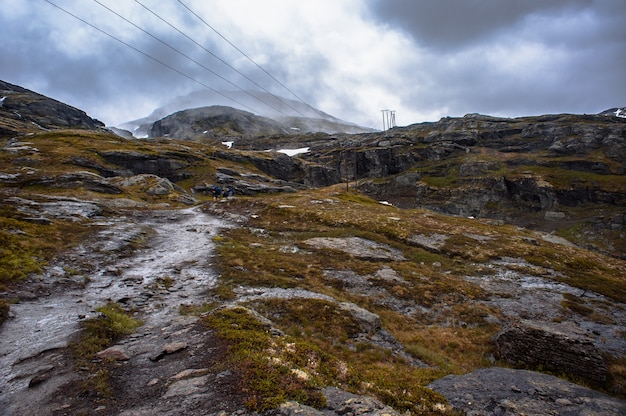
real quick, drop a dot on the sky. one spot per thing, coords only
(423, 59)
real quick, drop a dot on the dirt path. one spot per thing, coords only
(173, 267)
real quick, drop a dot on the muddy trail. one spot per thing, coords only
(150, 262)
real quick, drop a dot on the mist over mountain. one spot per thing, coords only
(293, 115)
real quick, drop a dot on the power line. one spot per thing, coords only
(241, 52)
(217, 57)
(188, 57)
(147, 55)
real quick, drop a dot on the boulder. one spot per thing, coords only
(505, 391)
(543, 346)
(116, 353)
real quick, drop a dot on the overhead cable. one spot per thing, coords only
(190, 58)
(241, 52)
(218, 58)
(148, 55)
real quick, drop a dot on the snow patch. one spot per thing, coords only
(293, 152)
(2, 100)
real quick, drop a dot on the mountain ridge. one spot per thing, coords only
(291, 114)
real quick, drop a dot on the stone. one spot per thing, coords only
(186, 387)
(489, 391)
(432, 242)
(358, 247)
(368, 321)
(344, 403)
(116, 353)
(42, 374)
(292, 408)
(190, 373)
(174, 347)
(541, 345)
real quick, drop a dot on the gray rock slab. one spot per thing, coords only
(503, 391)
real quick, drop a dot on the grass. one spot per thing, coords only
(27, 247)
(271, 252)
(96, 335)
(318, 344)
(269, 374)
(276, 368)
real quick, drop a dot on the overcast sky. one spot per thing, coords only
(425, 59)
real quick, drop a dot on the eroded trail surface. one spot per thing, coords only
(172, 267)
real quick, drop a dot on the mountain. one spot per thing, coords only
(617, 112)
(214, 121)
(22, 110)
(293, 115)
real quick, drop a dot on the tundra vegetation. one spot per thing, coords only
(288, 348)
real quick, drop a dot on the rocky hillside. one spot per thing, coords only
(214, 122)
(290, 115)
(474, 265)
(557, 173)
(22, 110)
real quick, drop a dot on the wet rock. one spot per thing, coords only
(42, 374)
(433, 242)
(358, 247)
(174, 347)
(535, 345)
(503, 391)
(116, 353)
(72, 209)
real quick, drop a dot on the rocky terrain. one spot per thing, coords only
(471, 265)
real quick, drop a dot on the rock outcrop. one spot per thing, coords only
(503, 391)
(541, 346)
(22, 110)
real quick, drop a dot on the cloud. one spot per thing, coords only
(350, 58)
(515, 57)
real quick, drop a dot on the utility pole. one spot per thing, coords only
(389, 119)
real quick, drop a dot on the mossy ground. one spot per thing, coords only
(97, 334)
(317, 347)
(270, 252)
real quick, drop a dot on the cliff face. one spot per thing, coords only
(548, 172)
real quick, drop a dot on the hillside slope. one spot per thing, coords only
(22, 110)
(131, 289)
(294, 116)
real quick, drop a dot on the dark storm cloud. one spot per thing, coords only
(94, 70)
(514, 57)
(423, 58)
(455, 24)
